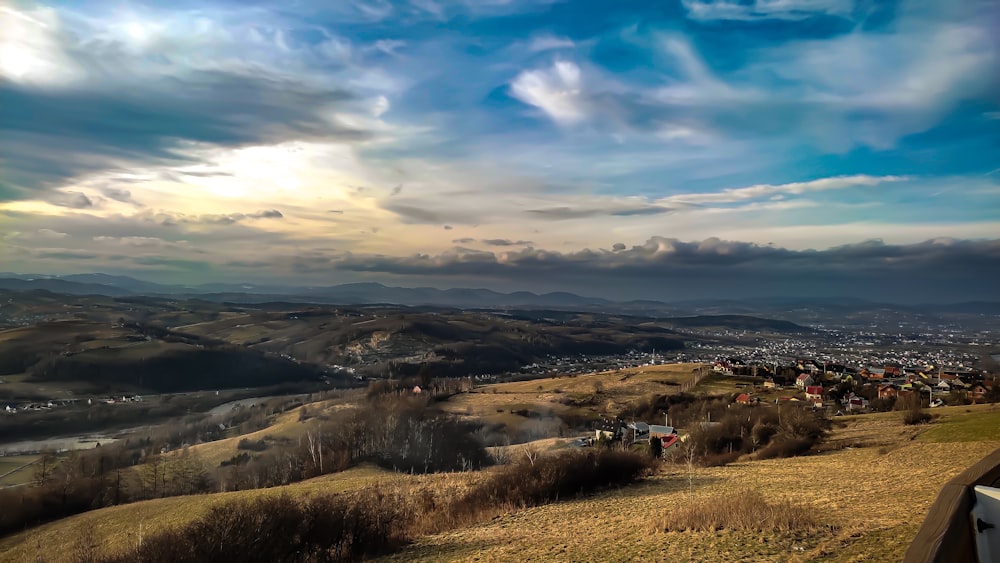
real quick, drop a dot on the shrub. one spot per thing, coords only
(252, 445)
(534, 481)
(743, 511)
(279, 528)
(916, 416)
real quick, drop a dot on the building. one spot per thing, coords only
(887, 391)
(814, 392)
(804, 380)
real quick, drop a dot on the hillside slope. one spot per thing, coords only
(873, 498)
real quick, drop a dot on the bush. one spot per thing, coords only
(767, 433)
(916, 416)
(279, 528)
(252, 445)
(743, 511)
(534, 481)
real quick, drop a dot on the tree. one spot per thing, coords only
(44, 467)
(655, 447)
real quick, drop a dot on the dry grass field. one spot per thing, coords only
(871, 499)
(115, 527)
(609, 391)
(869, 489)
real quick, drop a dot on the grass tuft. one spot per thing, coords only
(745, 511)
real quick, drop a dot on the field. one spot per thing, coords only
(16, 470)
(872, 498)
(870, 492)
(115, 527)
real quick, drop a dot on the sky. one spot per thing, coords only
(671, 150)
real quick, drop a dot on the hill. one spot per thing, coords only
(870, 499)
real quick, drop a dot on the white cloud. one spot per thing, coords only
(708, 10)
(760, 191)
(31, 51)
(380, 106)
(558, 91)
(550, 42)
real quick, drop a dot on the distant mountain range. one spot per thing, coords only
(377, 293)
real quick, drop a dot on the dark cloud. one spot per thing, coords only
(267, 214)
(396, 190)
(464, 240)
(667, 268)
(67, 255)
(173, 219)
(251, 264)
(50, 135)
(448, 227)
(504, 242)
(118, 194)
(74, 200)
(618, 246)
(566, 212)
(412, 213)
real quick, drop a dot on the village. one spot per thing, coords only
(841, 389)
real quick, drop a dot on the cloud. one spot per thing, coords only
(171, 219)
(710, 10)
(136, 242)
(122, 195)
(550, 42)
(119, 98)
(504, 242)
(396, 190)
(742, 268)
(557, 91)
(71, 199)
(267, 214)
(731, 195)
(463, 240)
(615, 209)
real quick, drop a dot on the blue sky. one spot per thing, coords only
(491, 143)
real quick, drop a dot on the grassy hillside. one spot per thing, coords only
(870, 494)
(872, 499)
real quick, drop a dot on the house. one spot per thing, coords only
(814, 392)
(804, 380)
(669, 442)
(743, 399)
(890, 371)
(662, 432)
(943, 386)
(770, 384)
(887, 391)
(857, 403)
(641, 431)
(604, 435)
(977, 392)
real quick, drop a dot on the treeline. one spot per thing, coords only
(176, 371)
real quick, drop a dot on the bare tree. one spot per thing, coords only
(530, 452)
